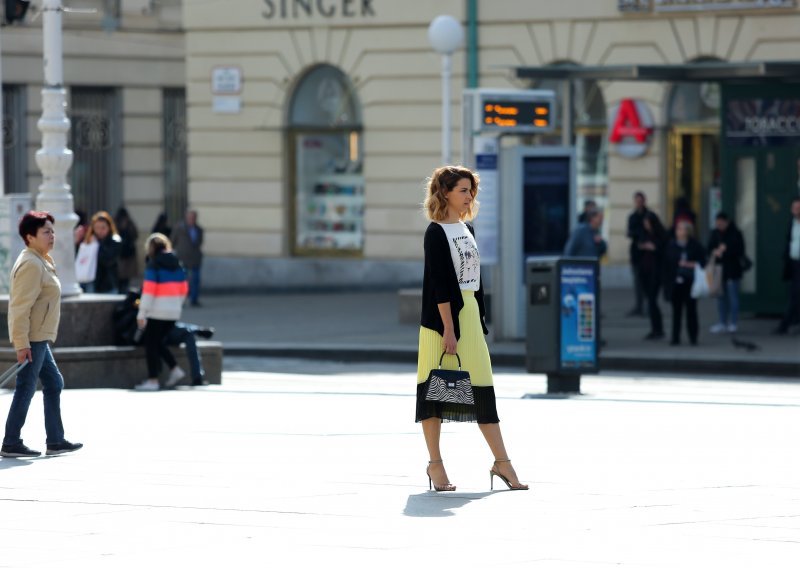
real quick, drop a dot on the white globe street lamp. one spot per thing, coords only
(54, 158)
(446, 36)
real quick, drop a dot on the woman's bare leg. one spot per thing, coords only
(495, 440)
(432, 429)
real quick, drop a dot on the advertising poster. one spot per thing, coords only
(579, 315)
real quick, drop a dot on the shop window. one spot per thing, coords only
(589, 128)
(14, 154)
(326, 160)
(96, 174)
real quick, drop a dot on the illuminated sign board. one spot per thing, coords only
(523, 111)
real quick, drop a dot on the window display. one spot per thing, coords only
(330, 192)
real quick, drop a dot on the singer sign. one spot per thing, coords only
(631, 129)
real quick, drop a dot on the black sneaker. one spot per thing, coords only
(18, 451)
(205, 333)
(199, 383)
(62, 448)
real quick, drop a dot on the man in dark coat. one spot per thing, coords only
(791, 270)
(187, 241)
(726, 246)
(635, 234)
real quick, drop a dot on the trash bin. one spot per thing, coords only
(563, 311)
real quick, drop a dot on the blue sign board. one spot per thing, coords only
(579, 315)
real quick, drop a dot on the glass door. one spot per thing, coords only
(694, 174)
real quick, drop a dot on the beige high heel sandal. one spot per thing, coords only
(511, 486)
(431, 485)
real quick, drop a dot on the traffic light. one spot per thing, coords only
(15, 10)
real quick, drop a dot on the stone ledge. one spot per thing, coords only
(110, 366)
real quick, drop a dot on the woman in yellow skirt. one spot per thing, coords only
(453, 322)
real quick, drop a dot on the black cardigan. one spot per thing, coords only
(440, 283)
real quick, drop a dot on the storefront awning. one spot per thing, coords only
(700, 71)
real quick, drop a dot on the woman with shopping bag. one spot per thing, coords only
(684, 255)
(34, 310)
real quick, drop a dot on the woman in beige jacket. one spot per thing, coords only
(34, 309)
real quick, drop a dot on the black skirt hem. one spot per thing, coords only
(484, 411)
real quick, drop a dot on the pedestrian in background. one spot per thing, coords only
(586, 240)
(79, 232)
(682, 254)
(34, 311)
(163, 293)
(187, 238)
(452, 321)
(651, 242)
(588, 206)
(635, 234)
(726, 244)
(161, 225)
(102, 235)
(682, 211)
(128, 259)
(791, 270)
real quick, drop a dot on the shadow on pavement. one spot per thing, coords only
(431, 504)
(8, 463)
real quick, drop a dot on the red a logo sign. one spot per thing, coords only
(628, 123)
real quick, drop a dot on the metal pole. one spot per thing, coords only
(447, 61)
(54, 158)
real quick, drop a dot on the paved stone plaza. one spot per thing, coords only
(292, 463)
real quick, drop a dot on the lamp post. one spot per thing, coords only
(446, 36)
(54, 158)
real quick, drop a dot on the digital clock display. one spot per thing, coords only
(516, 115)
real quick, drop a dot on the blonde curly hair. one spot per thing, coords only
(440, 183)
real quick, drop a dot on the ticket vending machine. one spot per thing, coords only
(537, 208)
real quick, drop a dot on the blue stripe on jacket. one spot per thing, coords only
(162, 275)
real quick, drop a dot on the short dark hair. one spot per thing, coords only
(722, 215)
(796, 200)
(31, 222)
(640, 194)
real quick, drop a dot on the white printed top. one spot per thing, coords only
(464, 252)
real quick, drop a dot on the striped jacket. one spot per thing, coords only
(164, 288)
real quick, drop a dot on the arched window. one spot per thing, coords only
(326, 164)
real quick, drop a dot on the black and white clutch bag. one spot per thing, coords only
(446, 385)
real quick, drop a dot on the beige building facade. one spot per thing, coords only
(246, 168)
(124, 68)
(311, 125)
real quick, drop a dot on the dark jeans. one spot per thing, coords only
(639, 290)
(682, 297)
(792, 314)
(155, 345)
(184, 333)
(651, 283)
(44, 368)
(193, 274)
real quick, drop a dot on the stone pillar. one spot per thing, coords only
(54, 158)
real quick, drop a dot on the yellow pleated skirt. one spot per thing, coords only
(474, 354)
